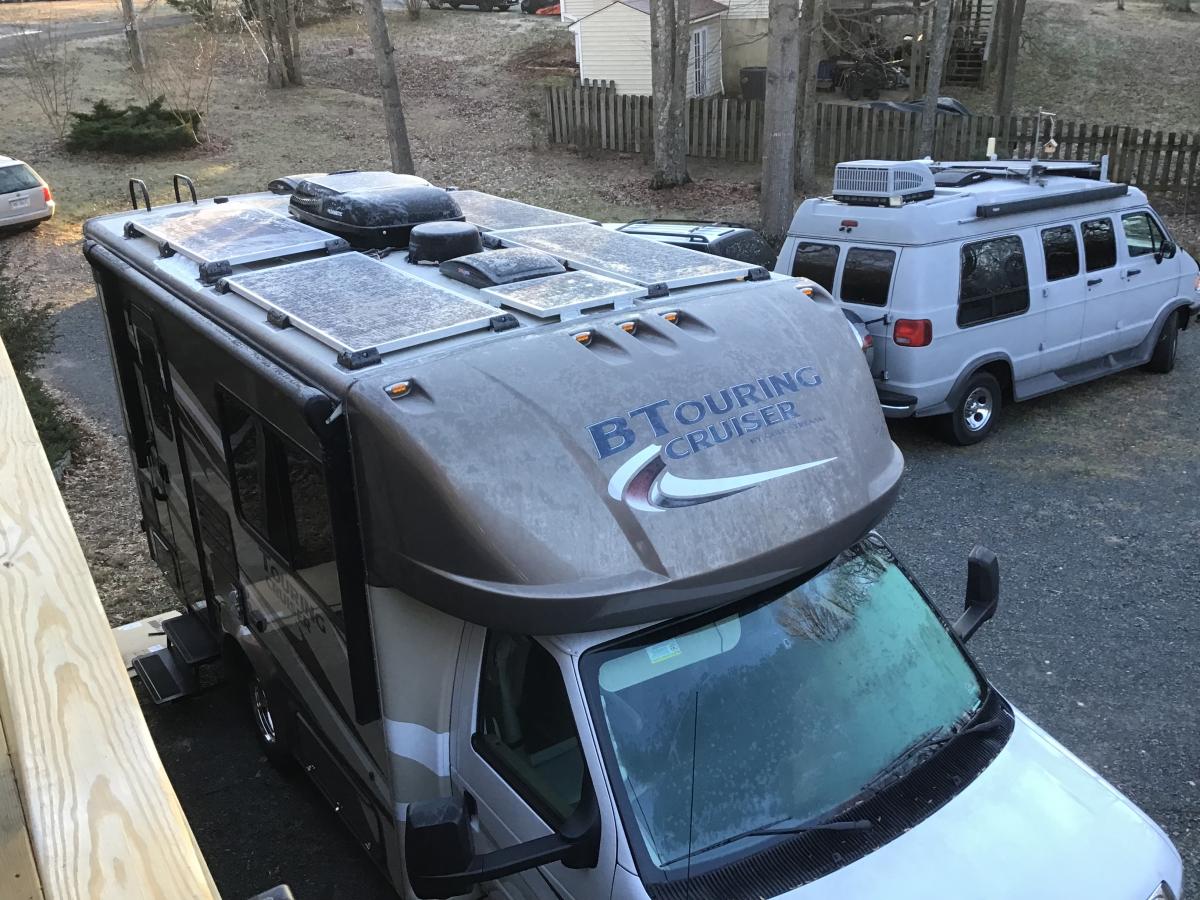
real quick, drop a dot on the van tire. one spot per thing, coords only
(975, 411)
(268, 716)
(1162, 360)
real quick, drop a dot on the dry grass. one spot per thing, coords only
(75, 11)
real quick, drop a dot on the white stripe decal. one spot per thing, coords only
(430, 749)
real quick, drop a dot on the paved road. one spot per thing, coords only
(10, 41)
(1090, 498)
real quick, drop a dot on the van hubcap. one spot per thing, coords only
(977, 409)
(262, 713)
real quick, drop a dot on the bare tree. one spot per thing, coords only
(184, 77)
(51, 72)
(132, 38)
(278, 38)
(812, 43)
(777, 196)
(1006, 82)
(389, 84)
(670, 43)
(937, 66)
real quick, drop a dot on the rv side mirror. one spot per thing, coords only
(440, 856)
(983, 591)
(1166, 250)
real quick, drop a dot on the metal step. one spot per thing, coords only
(165, 676)
(192, 639)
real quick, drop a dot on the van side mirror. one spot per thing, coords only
(983, 591)
(1166, 250)
(439, 851)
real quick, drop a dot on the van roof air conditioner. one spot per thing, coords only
(873, 182)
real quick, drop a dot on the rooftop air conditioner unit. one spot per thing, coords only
(873, 182)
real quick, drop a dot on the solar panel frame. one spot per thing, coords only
(491, 213)
(264, 234)
(524, 296)
(613, 251)
(404, 311)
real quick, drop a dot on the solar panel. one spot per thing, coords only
(356, 304)
(626, 256)
(234, 233)
(491, 213)
(561, 295)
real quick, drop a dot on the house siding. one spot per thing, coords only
(614, 45)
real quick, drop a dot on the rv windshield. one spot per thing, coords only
(776, 711)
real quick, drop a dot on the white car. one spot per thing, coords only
(25, 198)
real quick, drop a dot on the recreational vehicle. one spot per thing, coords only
(993, 281)
(547, 552)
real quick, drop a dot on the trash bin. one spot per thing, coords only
(753, 82)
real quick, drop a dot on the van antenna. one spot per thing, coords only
(692, 800)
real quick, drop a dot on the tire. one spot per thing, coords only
(1162, 360)
(269, 718)
(975, 411)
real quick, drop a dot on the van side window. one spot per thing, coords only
(280, 494)
(1062, 252)
(1099, 244)
(816, 261)
(867, 276)
(524, 726)
(994, 282)
(1142, 234)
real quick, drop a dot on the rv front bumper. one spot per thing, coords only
(896, 406)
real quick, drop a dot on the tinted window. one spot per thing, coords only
(310, 509)
(994, 282)
(745, 246)
(1099, 244)
(1062, 252)
(867, 276)
(1142, 234)
(156, 389)
(17, 178)
(525, 726)
(816, 261)
(247, 464)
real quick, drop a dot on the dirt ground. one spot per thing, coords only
(76, 11)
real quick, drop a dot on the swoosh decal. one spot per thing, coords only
(644, 483)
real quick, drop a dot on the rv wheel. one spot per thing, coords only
(976, 411)
(269, 719)
(1162, 360)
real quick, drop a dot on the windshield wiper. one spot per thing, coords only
(852, 825)
(927, 741)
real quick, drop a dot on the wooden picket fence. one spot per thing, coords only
(593, 116)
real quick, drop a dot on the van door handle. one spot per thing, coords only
(1092, 282)
(1131, 272)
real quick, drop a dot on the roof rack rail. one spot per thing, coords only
(1096, 170)
(1008, 208)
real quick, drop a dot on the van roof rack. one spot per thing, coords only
(1031, 168)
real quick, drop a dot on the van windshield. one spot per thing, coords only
(777, 711)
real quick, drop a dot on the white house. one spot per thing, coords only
(612, 43)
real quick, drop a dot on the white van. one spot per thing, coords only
(988, 282)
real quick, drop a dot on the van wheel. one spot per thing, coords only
(1162, 360)
(976, 412)
(268, 716)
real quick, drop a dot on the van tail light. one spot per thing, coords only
(913, 332)
(46, 193)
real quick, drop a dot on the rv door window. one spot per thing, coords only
(1099, 244)
(816, 261)
(525, 728)
(867, 276)
(1142, 234)
(1062, 252)
(994, 283)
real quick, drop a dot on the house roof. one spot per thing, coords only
(701, 9)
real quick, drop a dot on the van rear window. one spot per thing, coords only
(867, 276)
(994, 281)
(17, 178)
(816, 261)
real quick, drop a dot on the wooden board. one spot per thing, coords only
(18, 874)
(103, 820)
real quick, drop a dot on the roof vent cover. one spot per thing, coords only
(436, 242)
(873, 182)
(494, 267)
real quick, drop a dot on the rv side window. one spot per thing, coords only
(816, 261)
(152, 377)
(1062, 252)
(994, 282)
(1142, 234)
(525, 729)
(867, 276)
(1099, 244)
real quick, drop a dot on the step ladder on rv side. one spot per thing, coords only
(172, 671)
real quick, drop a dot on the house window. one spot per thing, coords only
(816, 261)
(994, 283)
(1099, 244)
(699, 65)
(1062, 252)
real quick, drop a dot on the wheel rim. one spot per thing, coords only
(262, 713)
(977, 409)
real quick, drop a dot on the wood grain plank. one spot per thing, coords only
(18, 873)
(104, 822)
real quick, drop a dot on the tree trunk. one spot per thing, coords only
(670, 42)
(293, 34)
(389, 84)
(1000, 31)
(1008, 65)
(812, 48)
(914, 57)
(282, 19)
(937, 66)
(132, 38)
(777, 199)
(265, 14)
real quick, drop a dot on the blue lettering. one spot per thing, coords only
(787, 410)
(766, 388)
(698, 440)
(651, 412)
(693, 404)
(808, 376)
(673, 454)
(745, 394)
(612, 436)
(782, 381)
(708, 398)
(751, 421)
(770, 414)
(727, 431)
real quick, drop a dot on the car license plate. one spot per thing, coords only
(19, 203)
